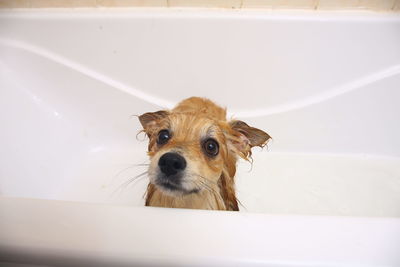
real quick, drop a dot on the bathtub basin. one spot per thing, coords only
(325, 86)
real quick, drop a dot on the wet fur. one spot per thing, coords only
(214, 177)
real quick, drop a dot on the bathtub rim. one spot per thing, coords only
(38, 240)
(202, 13)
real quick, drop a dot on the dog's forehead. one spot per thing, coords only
(193, 125)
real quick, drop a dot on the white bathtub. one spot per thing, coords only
(325, 86)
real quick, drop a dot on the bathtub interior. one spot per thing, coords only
(325, 87)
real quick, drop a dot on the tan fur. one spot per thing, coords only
(190, 122)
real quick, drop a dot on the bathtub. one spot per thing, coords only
(325, 86)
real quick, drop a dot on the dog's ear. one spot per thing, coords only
(149, 119)
(246, 137)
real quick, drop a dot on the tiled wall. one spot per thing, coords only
(375, 5)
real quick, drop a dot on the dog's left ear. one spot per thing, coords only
(149, 119)
(246, 137)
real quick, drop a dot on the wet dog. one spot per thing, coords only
(193, 151)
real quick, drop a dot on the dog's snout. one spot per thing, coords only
(171, 163)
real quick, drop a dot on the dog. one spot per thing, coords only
(193, 151)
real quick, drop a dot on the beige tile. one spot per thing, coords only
(63, 3)
(132, 3)
(287, 4)
(51, 3)
(84, 3)
(257, 3)
(396, 6)
(206, 3)
(14, 3)
(337, 4)
(378, 5)
(309, 4)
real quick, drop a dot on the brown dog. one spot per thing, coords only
(193, 151)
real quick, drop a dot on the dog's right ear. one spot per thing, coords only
(149, 119)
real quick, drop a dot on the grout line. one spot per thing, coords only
(316, 4)
(394, 5)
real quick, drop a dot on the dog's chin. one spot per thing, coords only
(172, 189)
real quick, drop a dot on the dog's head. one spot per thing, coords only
(189, 151)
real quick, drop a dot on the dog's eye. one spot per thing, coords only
(211, 147)
(163, 137)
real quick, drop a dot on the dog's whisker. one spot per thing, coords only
(204, 184)
(241, 204)
(211, 190)
(130, 167)
(135, 178)
(125, 184)
(201, 186)
(207, 187)
(122, 188)
(205, 178)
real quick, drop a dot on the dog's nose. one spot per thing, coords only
(171, 163)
